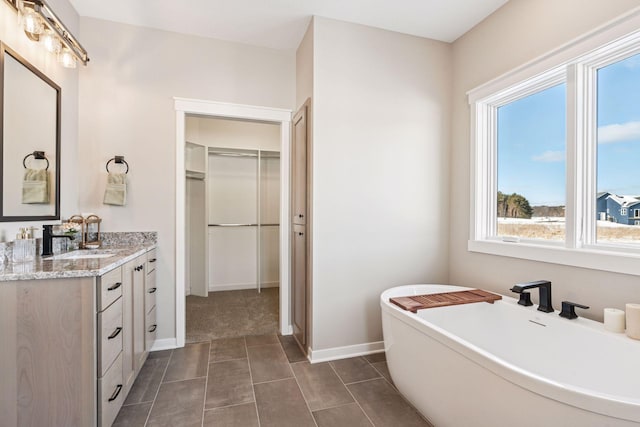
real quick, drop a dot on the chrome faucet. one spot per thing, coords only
(544, 286)
(47, 239)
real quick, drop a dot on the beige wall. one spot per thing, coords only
(127, 108)
(67, 79)
(304, 67)
(225, 133)
(380, 180)
(519, 32)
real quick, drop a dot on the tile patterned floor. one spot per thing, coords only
(262, 381)
(229, 314)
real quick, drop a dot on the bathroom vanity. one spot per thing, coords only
(75, 331)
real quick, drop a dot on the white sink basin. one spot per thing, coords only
(82, 255)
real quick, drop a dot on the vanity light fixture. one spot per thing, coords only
(41, 24)
(51, 42)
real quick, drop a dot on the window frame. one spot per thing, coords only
(575, 64)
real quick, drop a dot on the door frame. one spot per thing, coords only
(184, 106)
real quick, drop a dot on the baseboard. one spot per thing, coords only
(240, 286)
(164, 344)
(327, 354)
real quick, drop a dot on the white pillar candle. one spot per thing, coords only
(614, 320)
(633, 321)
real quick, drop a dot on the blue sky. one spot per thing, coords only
(531, 138)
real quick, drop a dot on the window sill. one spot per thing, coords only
(594, 259)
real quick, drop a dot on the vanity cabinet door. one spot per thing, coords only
(110, 342)
(151, 291)
(110, 394)
(139, 353)
(109, 288)
(128, 360)
(152, 326)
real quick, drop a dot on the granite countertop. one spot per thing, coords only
(59, 267)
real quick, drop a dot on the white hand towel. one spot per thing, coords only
(35, 186)
(116, 191)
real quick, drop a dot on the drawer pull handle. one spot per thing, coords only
(115, 286)
(152, 260)
(115, 333)
(152, 290)
(153, 328)
(115, 394)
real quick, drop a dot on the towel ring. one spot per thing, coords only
(119, 160)
(39, 155)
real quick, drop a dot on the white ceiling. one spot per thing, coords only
(280, 24)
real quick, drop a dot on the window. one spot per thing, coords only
(531, 166)
(618, 144)
(556, 155)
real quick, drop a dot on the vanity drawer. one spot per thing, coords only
(109, 288)
(110, 394)
(109, 336)
(150, 292)
(151, 261)
(150, 329)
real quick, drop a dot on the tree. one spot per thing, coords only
(513, 206)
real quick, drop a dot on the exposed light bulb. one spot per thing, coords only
(51, 42)
(31, 22)
(67, 59)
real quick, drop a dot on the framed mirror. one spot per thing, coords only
(29, 141)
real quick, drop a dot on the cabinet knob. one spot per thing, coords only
(300, 216)
(300, 233)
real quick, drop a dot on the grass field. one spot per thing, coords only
(554, 229)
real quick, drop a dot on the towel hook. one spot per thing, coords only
(38, 155)
(119, 160)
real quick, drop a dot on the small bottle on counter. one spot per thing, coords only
(24, 247)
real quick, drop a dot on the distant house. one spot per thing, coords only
(620, 209)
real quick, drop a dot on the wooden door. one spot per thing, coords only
(299, 286)
(299, 167)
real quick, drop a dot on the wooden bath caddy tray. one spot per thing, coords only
(419, 302)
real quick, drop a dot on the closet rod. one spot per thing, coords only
(243, 225)
(215, 153)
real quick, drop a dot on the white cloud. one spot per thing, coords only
(619, 132)
(549, 157)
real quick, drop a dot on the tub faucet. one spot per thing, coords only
(47, 239)
(544, 286)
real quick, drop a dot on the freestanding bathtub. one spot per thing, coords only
(503, 364)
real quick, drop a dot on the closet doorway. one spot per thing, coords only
(235, 260)
(233, 183)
